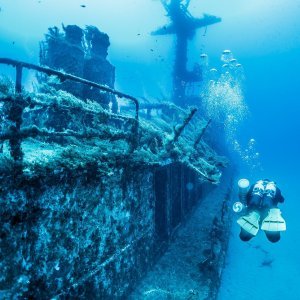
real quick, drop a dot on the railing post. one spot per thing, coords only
(136, 126)
(19, 70)
(16, 116)
(15, 142)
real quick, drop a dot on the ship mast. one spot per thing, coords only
(184, 26)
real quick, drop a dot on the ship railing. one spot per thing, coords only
(15, 134)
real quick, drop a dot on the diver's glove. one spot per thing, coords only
(250, 222)
(274, 221)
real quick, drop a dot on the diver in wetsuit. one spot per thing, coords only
(261, 200)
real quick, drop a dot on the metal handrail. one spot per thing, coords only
(19, 65)
(15, 134)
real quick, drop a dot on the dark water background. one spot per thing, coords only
(264, 37)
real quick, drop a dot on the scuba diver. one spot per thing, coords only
(261, 201)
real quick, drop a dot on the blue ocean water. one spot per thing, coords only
(265, 37)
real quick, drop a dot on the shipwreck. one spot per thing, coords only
(92, 192)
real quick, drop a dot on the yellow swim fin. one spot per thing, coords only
(250, 222)
(274, 221)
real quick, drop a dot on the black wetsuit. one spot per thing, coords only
(264, 202)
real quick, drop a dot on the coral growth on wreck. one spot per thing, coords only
(77, 189)
(64, 126)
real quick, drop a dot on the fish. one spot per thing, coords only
(267, 262)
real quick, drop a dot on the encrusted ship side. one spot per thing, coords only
(91, 197)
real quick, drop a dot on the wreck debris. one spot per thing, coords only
(64, 51)
(88, 48)
(97, 68)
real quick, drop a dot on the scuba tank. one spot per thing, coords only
(243, 185)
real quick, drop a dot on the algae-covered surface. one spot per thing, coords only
(77, 196)
(73, 134)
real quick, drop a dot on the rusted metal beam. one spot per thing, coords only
(197, 141)
(180, 128)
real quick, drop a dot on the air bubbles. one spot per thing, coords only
(252, 141)
(233, 62)
(251, 156)
(203, 59)
(226, 56)
(222, 95)
(213, 74)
